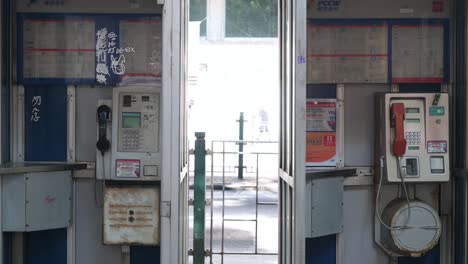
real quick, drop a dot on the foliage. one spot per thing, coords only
(251, 18)
(198, 13)
(244, 18)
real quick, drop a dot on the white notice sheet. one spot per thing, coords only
(59, 48)
(347, 53)
(145, 37)
(417, 53)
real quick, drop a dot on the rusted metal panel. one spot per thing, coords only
(131, 216)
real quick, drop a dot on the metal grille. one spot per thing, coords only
(242, 214)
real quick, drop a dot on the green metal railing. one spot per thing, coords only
(225, 154)
(199, 200)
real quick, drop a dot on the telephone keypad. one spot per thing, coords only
(131, 140)
(413, 138)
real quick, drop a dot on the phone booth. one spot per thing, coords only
(373, 122)
(93, 160)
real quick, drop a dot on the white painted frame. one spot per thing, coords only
(71, 126)
(340, 117)
(293, 45)
(71, 138)
(1, 134)
(300, 79)
(173, 82)
(18, 123)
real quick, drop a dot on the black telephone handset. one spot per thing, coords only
(103, 116)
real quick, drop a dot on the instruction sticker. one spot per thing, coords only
(321, 133)
(127, 168)
(437, 146)
(436, 111)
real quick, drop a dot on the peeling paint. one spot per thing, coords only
(131, 216)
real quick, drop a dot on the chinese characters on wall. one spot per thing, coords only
(108, 51)
(36, 111)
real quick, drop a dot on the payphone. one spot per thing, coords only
(413, 137)
(134, 140)
(136, 133)
(412, 146)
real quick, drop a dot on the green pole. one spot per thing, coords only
(199, 200)
(241, 146)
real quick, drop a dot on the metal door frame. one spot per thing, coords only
(5, 93)
(293, 26)
(460, 135)
(2, 128)
(174, 184)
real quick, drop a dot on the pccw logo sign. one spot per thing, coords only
(328, 5)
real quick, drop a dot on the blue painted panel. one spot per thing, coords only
(45, 131)
(7, 247)
(145, 254)
(46, 247)
(321, 91)
(321, 250)
(432, 257)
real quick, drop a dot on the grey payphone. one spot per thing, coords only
(134, 156)
(136, 133)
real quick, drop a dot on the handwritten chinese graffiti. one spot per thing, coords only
(35, 113)
(107, 51)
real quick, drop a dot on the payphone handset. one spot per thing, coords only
(398, 118)
(103, 117)
(136, 133)
(413, 137)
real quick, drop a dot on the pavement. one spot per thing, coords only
(242, 235)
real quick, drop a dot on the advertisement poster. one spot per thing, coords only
(321, 133)
(127, 168)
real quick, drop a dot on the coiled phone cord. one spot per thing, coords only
(377, 197)
(377, 201)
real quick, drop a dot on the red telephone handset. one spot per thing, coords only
(398, 116)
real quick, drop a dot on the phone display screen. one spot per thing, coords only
(413, 120)
(412, 110)
(131, 120)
